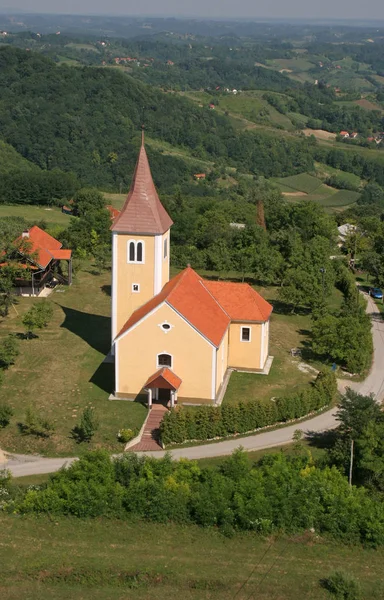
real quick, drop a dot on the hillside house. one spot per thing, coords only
(39, 255)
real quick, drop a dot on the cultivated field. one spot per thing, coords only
(305, 186)
(321, 134)
(102, 559)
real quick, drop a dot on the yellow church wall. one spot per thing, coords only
(165, 259)
(266, 342)
(222, 360)
(245, 355)
(126, 274)
(137, 350)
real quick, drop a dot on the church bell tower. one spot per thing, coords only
(140, 246)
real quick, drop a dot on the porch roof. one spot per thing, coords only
(164, 379)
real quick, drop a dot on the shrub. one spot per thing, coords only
(86, 429)
(36, 425)
(208, 422)
(6, 412)
(342, 586)
(126, 435)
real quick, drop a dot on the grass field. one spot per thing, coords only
(81, 46)
(324, 171)
(301, 183)
(341, 198)
(113, 560)
(116, 200)
(11, 159)
(61, 372)
(248, 108)
(35, 213)
(296, 65)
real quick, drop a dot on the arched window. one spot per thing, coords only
(135, 251)
(139, 252)
(164, 360)
(132, 252)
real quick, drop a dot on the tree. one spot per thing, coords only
(87, 200)
(8, 351)
(37, 317)
(6, 412)
(361, 421)
(86, 429)
(103, 256)
(260, 218)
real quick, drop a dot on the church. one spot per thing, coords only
(176, 339)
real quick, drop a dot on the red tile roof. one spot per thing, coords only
(240, 301)
(112, 211)
(62, 254)
(164, 379)
(41, 246)
(142, 211)
(208, 306)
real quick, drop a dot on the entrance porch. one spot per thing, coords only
(163, 387)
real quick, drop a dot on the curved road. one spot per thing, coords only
(20, 465)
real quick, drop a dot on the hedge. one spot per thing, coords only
(208, 422)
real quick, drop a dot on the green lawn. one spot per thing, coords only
(51, 215)
(62, 558)
(61, 372)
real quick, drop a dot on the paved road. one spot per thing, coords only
(28, 465)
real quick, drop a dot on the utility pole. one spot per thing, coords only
(351, 463)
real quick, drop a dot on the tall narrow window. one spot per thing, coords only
(139, 252)
(245, 334)
(164, 360)
(135, 251)
(132, 253)
(165, 248)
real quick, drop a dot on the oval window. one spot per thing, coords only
(166, 326)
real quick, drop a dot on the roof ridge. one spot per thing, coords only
(202, 281)
(181, 276)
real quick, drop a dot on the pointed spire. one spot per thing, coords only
(142, 212)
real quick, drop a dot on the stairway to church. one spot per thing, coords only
(150, 438)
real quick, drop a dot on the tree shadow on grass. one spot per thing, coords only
(95, 330)
(282, 308)
(322, 439)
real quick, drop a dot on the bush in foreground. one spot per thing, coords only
(286, 494)
(342, 586)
